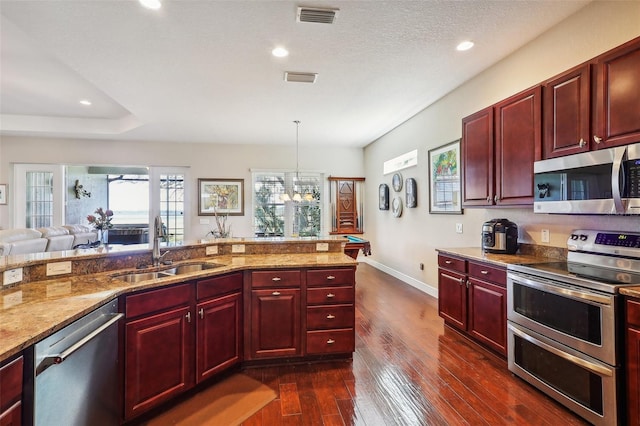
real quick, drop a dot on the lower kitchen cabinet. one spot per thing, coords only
(159, 345)
(275, 323)
(633, 360)
(178, 336)
(11, 392)
(472, 297)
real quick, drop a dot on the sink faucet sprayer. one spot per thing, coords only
(158, 232)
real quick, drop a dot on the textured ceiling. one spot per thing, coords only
(201, 71)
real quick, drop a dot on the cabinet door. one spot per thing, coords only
(452, 298)
(477, 158)
(633, 375)
(567, 113)
(488, 314)
(518, 144)
(275, 323)
(618, 96)
(11, 393)
(12, 416)
(158, 359)
(219, 334)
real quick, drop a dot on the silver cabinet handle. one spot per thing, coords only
(488, 200)
(448, 262)
(201, 312)
(596, 139)
(188, 316)
(330, 342)
(582, 143)
(330, 296)
(495, 198)
(276, 279)
(467, 282)
(483, 272)
(331, 277)
(275, 293)
(330, 316)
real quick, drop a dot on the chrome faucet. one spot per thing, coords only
(158, 232)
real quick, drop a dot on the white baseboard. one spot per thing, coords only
(425, 288)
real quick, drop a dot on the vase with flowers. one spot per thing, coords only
(101, 221)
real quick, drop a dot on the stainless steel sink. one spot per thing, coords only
(137, 277)
(192, 267)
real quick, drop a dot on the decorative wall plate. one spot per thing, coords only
(396, 207)
(383, 196)
(411, 191)
(397, 182)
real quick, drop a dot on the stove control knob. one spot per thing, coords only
(583, 237)
(574, 237)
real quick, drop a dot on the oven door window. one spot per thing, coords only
(572, 380)
(572, 317)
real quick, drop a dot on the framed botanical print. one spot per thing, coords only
(220, 196)
(383, 196)
(444, 179)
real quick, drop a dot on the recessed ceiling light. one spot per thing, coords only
(151, 4)
(280, 52)
(465, 45)
(85, 102)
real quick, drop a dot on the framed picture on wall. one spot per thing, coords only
(3, 193)
(221, 196)
(383, 196)
(444, 179)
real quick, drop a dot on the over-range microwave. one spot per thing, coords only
(606, 181)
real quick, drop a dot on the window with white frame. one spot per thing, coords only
(287, 204)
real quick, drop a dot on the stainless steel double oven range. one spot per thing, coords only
(565, 322)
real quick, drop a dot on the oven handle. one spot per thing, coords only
(618, 164)
(558, 289)
(594, 368)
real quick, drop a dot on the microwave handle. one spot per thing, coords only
(617, 174)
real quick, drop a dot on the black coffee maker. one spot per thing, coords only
(500, 236)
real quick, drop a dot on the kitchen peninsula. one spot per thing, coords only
(306, 286)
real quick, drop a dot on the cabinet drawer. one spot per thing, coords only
(11, 383)
(217, 286)
(330, 341)
(326, 317)
(452, 263)
(158, 300)
(488, 273)
(275, 279)
(325, 295)
(324, 277)
(633, 313)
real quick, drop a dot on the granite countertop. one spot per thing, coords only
(631, 291)
(32, 311)
(476, 253)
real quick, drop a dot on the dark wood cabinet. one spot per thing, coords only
(452, 291)
(11, 392)
(567, 112)
(330, 311)
(633, 360)
(617, 111)
(275, 323)
(218, 325)
(518, 132)
(345, 194)
(478, 158)
(487, 321)
(159, 347)
(499, 146)
(472, 298)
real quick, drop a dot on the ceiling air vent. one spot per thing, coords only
(317, 16)
(300, 77)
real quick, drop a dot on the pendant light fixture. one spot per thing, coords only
(296, 195)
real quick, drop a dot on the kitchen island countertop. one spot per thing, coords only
(32, 311)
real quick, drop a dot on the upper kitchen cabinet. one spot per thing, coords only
(567, 112)
(477, 158)
(617, 110)
(499, 146)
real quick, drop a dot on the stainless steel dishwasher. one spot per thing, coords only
(76, 372)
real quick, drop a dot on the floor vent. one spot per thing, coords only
(316, 16)
(300, 77)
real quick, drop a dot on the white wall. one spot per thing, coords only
(399, 245)
(203, 160)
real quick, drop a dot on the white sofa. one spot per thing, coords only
(50, 238)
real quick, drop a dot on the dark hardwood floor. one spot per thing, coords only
(408, 369)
